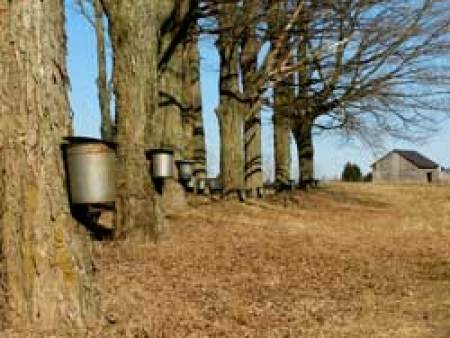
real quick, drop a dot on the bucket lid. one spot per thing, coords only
(72, 140)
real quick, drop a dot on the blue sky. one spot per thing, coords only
(331, 151)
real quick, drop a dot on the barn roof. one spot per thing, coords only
(414, 157)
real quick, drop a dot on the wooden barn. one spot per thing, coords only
(405, 166)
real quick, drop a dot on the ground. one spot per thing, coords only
(346, 260)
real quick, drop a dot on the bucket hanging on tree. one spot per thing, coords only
(161, 162)
(91, 165)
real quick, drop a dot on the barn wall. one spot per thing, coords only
(387, 169)
(444, 177)
(394, 168)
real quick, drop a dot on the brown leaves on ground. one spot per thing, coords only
(346, 260)
(343, 261)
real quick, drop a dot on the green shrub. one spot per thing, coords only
(351, 173)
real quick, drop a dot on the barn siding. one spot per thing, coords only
(395, 168)
(444, 177)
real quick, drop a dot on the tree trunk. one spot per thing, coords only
(45, 261)
(230, 112)
(134, 27)
(171, 103)
(282, 130)
(107, 126)
(252, 129)
(253, 148)
(283, 96)
(305, 115)
(303, 138)
(232, 157)
(193, 119)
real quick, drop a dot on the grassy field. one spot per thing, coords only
(346, 260)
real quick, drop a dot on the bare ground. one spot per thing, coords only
(343, 261)
(346, 260)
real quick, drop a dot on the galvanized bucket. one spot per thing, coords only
(190, 185)
(91, 165)
(201, 184)
(185, 169)
(215, 185)
(161, 162)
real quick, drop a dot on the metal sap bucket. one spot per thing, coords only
(201, 184)
(161, 162)
(91, 165)
(185, 169)
(215, 185)
(190, 184)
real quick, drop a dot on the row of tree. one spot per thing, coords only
(355, 65)
(365, 68)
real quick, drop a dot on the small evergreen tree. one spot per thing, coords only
(351, 173)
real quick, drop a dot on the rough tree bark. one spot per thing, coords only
(107, 129)
(193, 119)
(305, 148)
(230, 112)
(253, 155)
(252, 128)
(171, 103)
(134, 27)
(304, 120)
(282, 130)
(283, 95)
(45, 256)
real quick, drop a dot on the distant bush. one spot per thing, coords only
(351, 173)
(368, 178)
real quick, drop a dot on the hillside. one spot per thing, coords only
(346, 260)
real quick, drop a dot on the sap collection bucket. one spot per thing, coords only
(91, 165)
(185, 169)
(161, 162)
(201, 184)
